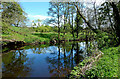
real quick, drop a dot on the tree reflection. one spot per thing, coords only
(90, 48)
(60, 59)
(72, 65)
(78, 57)
(61, 64)
(14, 64)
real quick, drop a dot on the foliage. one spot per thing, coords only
(105, 40)
(13, 14)
(107, 66)
(78, 22)
(76, 72)
(44, 29)
(25, 34)
(55, 29)
(28, 34)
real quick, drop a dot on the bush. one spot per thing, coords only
(104, 40)
(107, 66)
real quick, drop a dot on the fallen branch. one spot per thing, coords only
(89, 66)
(6, 40)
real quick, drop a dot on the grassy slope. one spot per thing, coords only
(107, 66)
(27, 35)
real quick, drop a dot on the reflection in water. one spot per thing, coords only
(59, 65)
(45, 61)
(14, 64)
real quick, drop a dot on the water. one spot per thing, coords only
(44, 60)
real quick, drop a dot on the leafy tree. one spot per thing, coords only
(116, 16)
(13, 14)
(33, 23)
(64, 11)
(54, 11)
(78, 21)
(72, 11)
(38, 21)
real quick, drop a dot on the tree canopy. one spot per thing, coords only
(13, 14)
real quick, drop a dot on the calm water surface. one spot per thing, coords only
(44, 60)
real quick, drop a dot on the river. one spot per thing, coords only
(45, 60)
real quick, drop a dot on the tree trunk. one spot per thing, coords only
(58, 25)
(95, 15)
(72, 26)
(116, 20)
(89, 25)
(64, 21)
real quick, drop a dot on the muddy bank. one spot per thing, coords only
(14, 45)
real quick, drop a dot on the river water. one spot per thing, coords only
(45, 60)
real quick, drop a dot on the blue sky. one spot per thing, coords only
(36, 10)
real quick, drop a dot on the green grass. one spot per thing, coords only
(24, 34)
(28, 35)
(106, 66)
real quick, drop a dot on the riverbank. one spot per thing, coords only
(28, 35)
(106, 66)
(40, 38)
(14, 45)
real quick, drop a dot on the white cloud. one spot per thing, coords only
(41, 17)
(35, 17)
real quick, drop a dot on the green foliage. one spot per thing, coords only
(28, 35)
(13, 14)
(105, 40)
(76, 72)
(107, 66)
(55, 29)
(44, 29)
(24, 34)
(78, 23)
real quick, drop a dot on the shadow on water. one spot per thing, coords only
(14, 64)
(45, 60)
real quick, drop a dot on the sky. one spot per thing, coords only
(38, 9)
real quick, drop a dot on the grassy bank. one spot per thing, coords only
(28, 35)
(106, 66)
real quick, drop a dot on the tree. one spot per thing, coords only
(38, 20)
(72, 12)
(54, 11)
(110, 18)
(33, 23)
(116, 17)
(13, 14)
(116, 14)
(65, 16)
(78, 21)
(85, 20)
